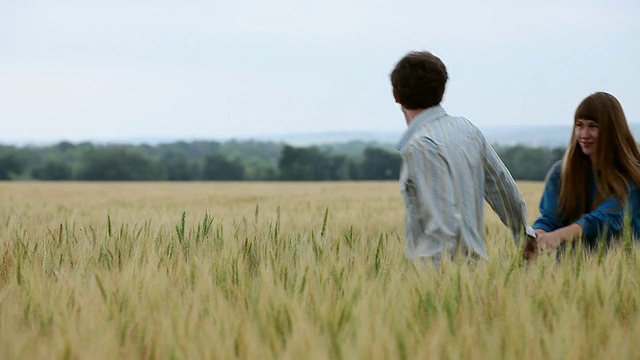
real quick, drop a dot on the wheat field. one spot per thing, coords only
(286, 271)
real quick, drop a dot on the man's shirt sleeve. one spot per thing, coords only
(503, 195)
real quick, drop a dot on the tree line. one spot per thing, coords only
(233, 161)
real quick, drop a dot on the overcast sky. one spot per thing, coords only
(89, 70)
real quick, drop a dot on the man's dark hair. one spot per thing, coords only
(419, 80)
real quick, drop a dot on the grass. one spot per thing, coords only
(286, 271)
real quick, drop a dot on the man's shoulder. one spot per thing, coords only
(465, 125)
(423, 142)
(445, 130)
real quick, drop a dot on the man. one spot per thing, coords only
(448, 168)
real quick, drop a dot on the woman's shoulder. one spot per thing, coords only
(554, 173)
(556, 168)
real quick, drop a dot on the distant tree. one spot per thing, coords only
(119, 163)
(380, 164)
(53, 170)
(217, 167)
(251, 152)
(11, 163)
(354, 169)
(251, 160)
(179, 167)
(64, 146)
(526, 163)
(85, 147)
(557, 153)
(257, 168)
(303, 164)
(354, 149)
(338, 167)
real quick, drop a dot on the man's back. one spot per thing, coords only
(457, 142)
(447, 168)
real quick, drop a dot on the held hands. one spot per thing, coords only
(543, 243)
(530, 251)
(548, 242)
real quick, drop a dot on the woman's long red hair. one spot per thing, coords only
(616, 156)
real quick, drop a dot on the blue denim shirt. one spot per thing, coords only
(606, 221)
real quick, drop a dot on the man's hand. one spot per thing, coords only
(531, 248)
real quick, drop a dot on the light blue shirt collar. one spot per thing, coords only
(428, 115)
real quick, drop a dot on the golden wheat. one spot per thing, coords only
(285, 271)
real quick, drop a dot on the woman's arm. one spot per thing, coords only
(607, 218)
(551, 240)
(549, 219)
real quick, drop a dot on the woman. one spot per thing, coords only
(587, 194)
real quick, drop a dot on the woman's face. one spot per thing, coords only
(586, 132)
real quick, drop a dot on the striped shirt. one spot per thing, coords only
(448, 168)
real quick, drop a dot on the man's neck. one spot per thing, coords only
(409, 115)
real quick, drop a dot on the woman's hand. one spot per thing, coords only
(548, 242)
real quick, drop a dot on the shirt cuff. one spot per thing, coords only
(543, 225)
(587, 229)
(529, 230)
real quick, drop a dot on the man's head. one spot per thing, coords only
(419, 80)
